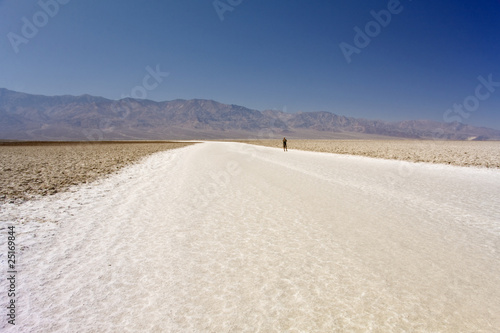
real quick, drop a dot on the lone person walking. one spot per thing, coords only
(284, 145)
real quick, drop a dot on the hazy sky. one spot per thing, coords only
(388, 60)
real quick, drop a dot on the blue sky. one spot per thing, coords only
(433, 60)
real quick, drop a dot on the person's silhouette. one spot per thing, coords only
(284, 145)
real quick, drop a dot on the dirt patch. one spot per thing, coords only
(42, 168)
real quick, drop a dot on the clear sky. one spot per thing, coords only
(419, 62)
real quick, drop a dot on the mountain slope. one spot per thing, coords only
(35, 117)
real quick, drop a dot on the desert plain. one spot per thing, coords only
(460, 153)
(29, 169)
(233, 237)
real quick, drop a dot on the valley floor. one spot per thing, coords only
(30, 169)
(231, 237)
(461, 153)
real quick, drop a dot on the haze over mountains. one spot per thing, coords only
(35, 117)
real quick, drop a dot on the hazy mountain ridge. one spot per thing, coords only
(36, 117)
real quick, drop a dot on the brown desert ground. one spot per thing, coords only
(461, 153)
(41, 168)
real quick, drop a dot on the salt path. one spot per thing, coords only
(229, 237)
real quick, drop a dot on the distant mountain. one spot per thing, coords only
(36, 117)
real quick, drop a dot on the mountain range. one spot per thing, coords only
(36, 117)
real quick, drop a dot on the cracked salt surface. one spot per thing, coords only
(224, 237)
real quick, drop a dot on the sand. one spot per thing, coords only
(229, 237)
(461, 153)
(32, 169)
